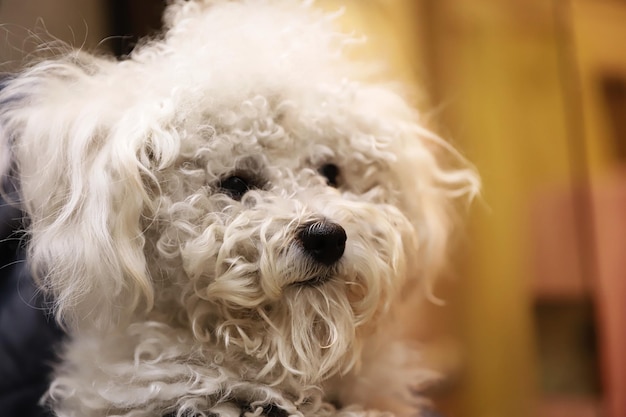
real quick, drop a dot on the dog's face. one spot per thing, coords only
(280, 228)
(230, 178)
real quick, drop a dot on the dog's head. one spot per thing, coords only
(233, 177)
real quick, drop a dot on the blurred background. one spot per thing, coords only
(534, 93)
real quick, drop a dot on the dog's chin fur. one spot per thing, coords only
(183, 300)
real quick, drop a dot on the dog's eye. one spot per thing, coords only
(235, 186)
(331, 172)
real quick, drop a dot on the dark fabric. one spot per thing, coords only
(28, 337)
(429, 413)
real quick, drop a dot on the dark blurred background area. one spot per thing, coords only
(534, 93)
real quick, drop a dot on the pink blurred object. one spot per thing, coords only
(579, 248)
(609, 215)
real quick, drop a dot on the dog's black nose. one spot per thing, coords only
(324, 241)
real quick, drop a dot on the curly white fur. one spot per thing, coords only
(183, 300)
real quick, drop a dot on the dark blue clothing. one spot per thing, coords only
(29, 338)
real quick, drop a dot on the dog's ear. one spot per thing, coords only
(435, 184)
(79, 162)
(438, 186)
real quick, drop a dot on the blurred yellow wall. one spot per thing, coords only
(496, 64)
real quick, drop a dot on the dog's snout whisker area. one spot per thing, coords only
(324, 241)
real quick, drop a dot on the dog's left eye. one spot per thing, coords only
(235, 186)
(331, 172)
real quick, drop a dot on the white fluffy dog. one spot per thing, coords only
(228, 221)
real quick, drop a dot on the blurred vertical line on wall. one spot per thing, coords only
(132, 20)
(571, 89)
(580, 172)
(120, 27)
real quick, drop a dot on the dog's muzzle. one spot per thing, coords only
(324, 241)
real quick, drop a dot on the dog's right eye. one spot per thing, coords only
(235, 186)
